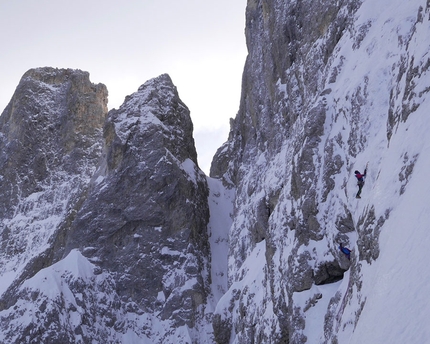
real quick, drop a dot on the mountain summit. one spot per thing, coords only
(104, 226)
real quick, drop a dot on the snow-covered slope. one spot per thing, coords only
(351, 87)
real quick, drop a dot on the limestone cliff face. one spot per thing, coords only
(314, 108)
(110, 233)
(51, 140)
(104, 216)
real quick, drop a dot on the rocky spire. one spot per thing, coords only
(50, 143)
(53, 122)
(125, 204)
(146, 216)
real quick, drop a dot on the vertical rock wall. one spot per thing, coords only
(104, 216)
(315, 106)
(146, 215)
(51, 140)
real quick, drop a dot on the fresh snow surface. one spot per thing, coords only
(190, 169)
(252, 284)
(391, 303)
(221, 211)
(316, 308)
(397, 308)
(74, 265)
(395, 286)
(32, 226)
(50, 283)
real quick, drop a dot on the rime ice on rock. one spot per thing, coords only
(327, 86)
(109, 231)
(51, 140)
(119, 202)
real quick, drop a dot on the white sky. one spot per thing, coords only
(122, 44)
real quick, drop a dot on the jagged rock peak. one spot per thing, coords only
(56, 76)
(44, 85)
(63, 101)
(51, 139)
(156, 104)
(53, 122)
(135, 229)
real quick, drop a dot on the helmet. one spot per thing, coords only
(356, 172)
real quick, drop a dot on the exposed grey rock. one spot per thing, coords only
(406, 171)
(300, 274)
(370, 228)
(51, 140)
(344, 222)
(328, 272)
(141, 217)
(222, 329)
(298, 135)
(54, 121)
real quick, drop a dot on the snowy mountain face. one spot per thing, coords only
(51, 139)
(110, 233)
(109, 241)
(327, 88)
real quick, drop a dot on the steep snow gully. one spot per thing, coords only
(110, 232)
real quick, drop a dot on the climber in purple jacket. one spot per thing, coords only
(360, 181)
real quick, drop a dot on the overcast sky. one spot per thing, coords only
(122, 44)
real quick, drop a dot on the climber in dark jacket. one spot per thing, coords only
(360, 181)
(345, 250)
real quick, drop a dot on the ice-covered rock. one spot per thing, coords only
(110, 233)
(50, 143)
(327, 87)
(123, 195)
